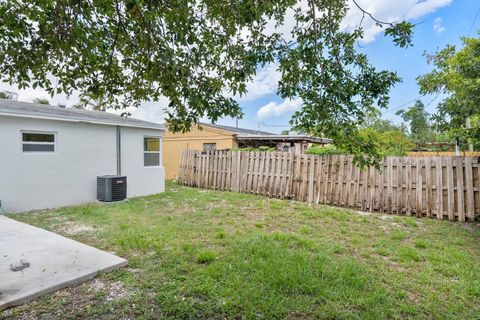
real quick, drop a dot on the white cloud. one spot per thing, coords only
(438, 27)
(28, 94)
(264, 83)
(274, 109)
(148, 111)
(425, 7)
(266, 80)
(389, 11)
(151, 111)
(289, 21)
(384, 10)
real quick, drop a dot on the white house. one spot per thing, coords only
(51, 156)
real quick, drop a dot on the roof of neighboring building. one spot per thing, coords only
(251, 134)
(284, 138)
(235, 130)
(41, 111)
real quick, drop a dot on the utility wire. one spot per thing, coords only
(413, 100)
(263, 124)
(473, 22)
(402, 105)
(431, 101)
(469, 31)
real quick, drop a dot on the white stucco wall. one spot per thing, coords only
(68, 176)
(141, 180)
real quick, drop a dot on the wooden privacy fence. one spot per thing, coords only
(440, 187)
(442, 153)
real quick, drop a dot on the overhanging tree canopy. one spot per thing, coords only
(198, 54)
(456, 73)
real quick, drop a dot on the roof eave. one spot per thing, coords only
(284, 138)
(19, 115)
(230, 130)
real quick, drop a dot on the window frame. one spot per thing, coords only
(22, 142)
(210, 143)
(159, 152)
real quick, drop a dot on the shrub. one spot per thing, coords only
(388, 143)
(324, 150)
(261, 148)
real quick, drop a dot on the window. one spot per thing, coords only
(151, 152)
(38, 142)
(209, 147)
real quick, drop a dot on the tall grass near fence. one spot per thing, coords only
(437, 187)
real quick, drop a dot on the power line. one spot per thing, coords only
(431, 101)
(402, 105)
(261, 123)
(418, 98)
(473, 22)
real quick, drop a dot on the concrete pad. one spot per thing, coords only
(54, 262)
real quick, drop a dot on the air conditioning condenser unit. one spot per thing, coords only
(111, 188)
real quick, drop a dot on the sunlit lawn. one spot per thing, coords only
(205, 254)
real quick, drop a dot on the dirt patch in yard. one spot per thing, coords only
(472, 227)
(362, 213)
(71, 300)
(73, 228)
(113, 290)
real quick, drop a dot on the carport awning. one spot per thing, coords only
(282, 138)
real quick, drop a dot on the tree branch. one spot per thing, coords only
(365, 12)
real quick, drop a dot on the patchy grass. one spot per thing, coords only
(205, 254)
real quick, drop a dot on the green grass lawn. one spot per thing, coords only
(204, 254)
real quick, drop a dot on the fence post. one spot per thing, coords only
(460, 195)
(451, 208)
(470, 194)
(439, 183)
(418, 188)
(428, 187)
(389, 176)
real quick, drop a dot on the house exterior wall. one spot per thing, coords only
(175, 143)
(141, 180)
(68, 176)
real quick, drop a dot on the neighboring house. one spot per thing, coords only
(51, 156)
(210, 137)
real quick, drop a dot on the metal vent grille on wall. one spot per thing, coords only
(111, 188)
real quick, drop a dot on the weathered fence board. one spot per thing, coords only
(438, 187)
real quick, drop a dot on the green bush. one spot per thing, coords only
(387, 143)
(324, 150)
(261, 148)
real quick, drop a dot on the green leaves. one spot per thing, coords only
(41, 101)
(419, 123)
(8, 95)
(456, 73)
(199, 54)
(402, 33)
(337, 85)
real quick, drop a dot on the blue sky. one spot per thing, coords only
(440, 22)
(451, 21)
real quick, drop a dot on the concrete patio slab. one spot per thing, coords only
(50, 262)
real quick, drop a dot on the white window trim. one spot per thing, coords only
(54, 143)
(159, 152)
